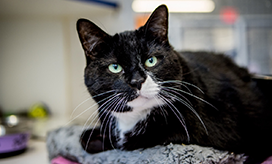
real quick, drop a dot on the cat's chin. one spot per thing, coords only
(139, 101)
(143, 103)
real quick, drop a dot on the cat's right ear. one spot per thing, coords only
(92, 38)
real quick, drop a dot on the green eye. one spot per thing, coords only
(151, 61)
(115, 68)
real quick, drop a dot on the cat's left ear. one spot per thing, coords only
(157, 24)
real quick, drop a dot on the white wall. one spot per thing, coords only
(32, 64)
(41, 58)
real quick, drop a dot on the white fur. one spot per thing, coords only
(141, 106)
(126, 121)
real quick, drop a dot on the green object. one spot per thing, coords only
(38, 110)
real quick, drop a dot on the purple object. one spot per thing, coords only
(13, 142)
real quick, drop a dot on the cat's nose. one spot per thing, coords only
(137, 83)
(137, 80)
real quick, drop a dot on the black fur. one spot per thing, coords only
(232, 108)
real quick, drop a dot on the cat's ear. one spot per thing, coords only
(92, 38)
(157, 24)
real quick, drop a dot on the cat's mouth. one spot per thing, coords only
(147, 96)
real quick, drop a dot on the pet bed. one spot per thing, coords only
(64, 147)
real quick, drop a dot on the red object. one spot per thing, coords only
(140, 20)
(229, 15)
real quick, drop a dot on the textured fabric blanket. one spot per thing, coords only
(64, 142)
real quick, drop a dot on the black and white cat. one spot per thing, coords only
(148, 94)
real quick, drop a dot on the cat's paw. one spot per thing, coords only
(93, 142)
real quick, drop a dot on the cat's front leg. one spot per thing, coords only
(94, 141)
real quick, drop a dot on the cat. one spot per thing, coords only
(149, 94)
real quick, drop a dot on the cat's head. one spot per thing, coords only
(126, 71)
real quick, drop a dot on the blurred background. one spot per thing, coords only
(41, 59)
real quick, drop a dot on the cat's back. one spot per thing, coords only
(232, 91)
(226, 85)
(215, 66)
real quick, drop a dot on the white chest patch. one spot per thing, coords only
(141, 107)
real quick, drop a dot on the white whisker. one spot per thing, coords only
(181, 120)
(104, 133)
(192, 86)
(110, 128)
(193, 96)
(109, 105)
(88, 109)
(103, 110)
(176, 82)
(79, 106)
(103, 93)
(182, 83)
(110, 100)
(80, 114)
(190, 107)
(162, 109)
(171, 90)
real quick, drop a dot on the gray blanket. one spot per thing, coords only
(65, 142)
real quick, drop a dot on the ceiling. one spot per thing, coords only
(51, 8)
(87, 7)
